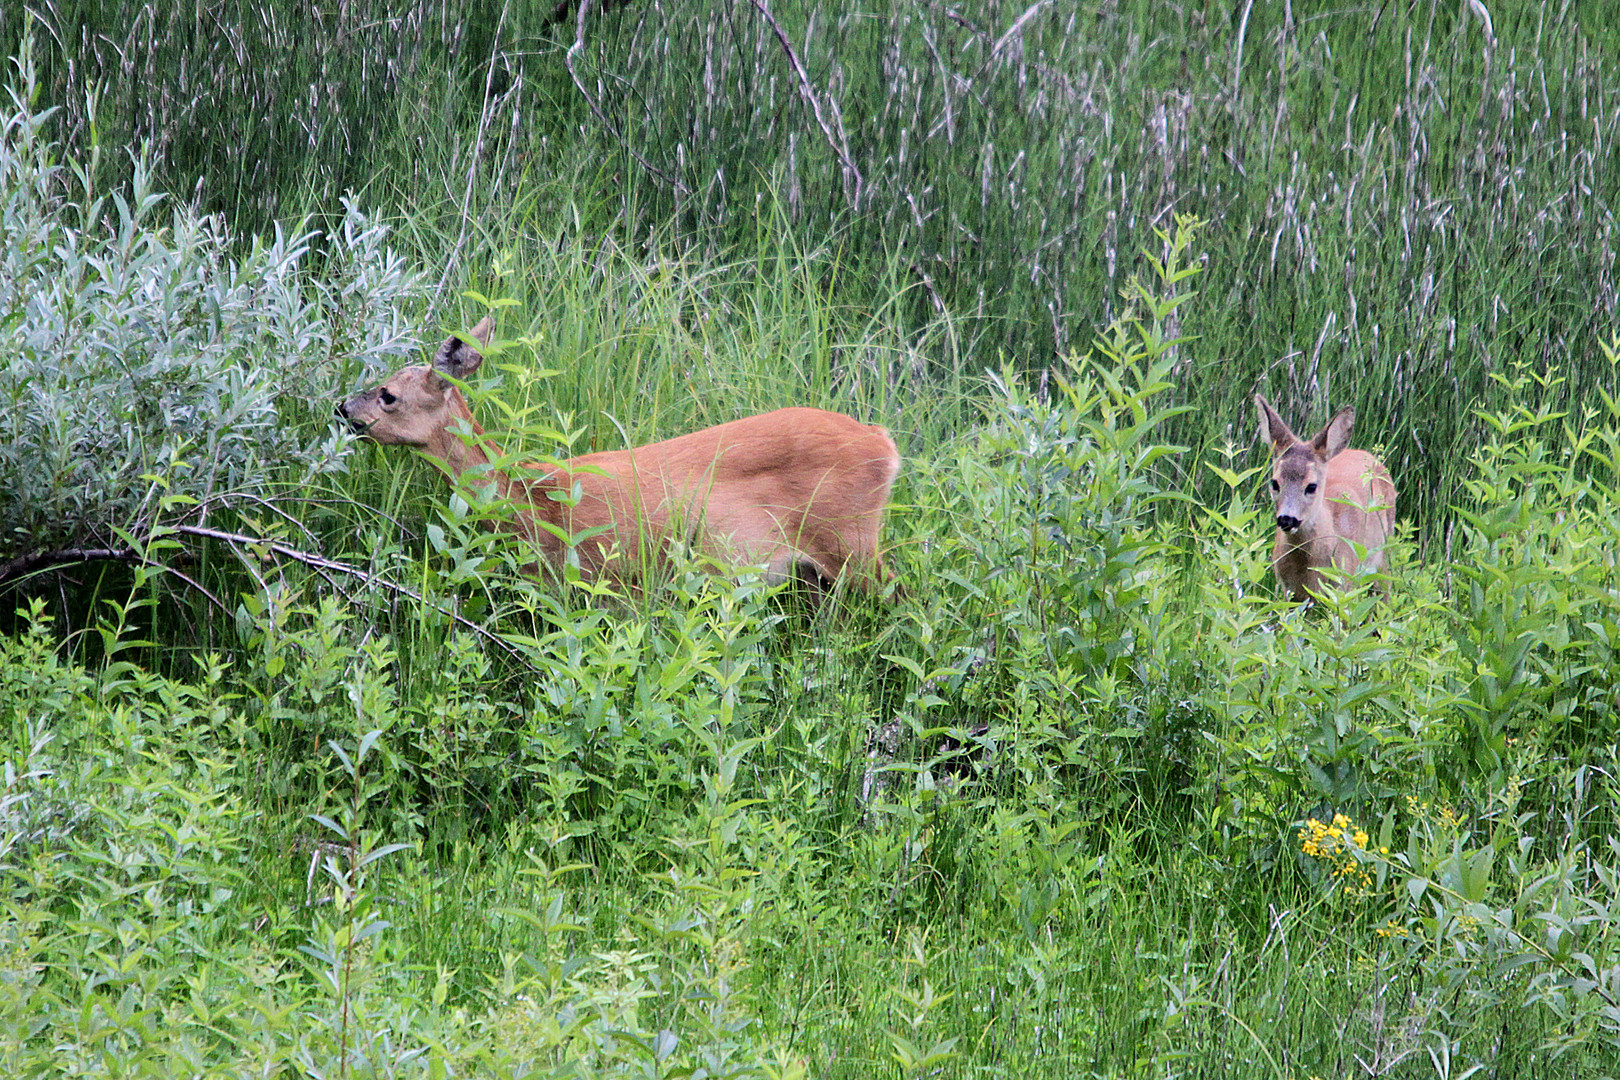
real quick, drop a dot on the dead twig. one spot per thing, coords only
(36, 561)
(568, 59)
(808, 92)
(320, 563)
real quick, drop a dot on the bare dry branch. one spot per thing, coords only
(24, 565)
(568, 58)
(320, 563)
(808, 92)
(37, 561)
(44, 560)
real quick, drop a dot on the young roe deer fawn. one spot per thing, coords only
(798, 491)
(1335, 507)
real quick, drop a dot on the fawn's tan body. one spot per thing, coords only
(799, 491)
(1330, 502)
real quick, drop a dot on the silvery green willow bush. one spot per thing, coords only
(148, 356)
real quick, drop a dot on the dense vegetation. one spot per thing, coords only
(302, 776)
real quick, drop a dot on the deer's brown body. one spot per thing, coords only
(1335, 507)
(799, 491)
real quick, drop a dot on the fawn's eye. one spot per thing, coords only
(387, 398)
(1310, 489)
(1275, 486)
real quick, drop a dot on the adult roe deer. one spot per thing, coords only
(799, 491)
(1330, 501)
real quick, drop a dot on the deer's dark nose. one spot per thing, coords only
(341, 411)
(1286, 523)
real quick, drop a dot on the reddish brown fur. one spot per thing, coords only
(1329, 501)
(800, 491)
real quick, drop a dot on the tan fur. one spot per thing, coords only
(1328, 500)
(800, 491)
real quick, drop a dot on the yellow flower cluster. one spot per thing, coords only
(1337, 845)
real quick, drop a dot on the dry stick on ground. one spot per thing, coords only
(568, 58)
(33, 562)
(274, 506)
(808, 92)
(27, 564)
(319, 563)
(24, 565)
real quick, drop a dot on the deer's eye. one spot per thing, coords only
(1310, 489)
(386, 397)
(1275, 486)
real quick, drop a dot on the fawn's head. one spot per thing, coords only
(1299, 468)
(414, 406)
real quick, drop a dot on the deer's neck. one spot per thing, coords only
(466, 454)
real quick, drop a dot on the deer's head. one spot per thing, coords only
(417, 404)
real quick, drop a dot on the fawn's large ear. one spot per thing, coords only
(1272, 428)
(458, 358)
(1336, 436)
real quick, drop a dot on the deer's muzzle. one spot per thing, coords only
(341, 411)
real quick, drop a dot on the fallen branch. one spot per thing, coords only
(34, 562)
(24, 565)
(568, 59)
(808, 92)
(320, 562)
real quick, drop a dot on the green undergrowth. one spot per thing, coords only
(1088, 799)
(304, 775)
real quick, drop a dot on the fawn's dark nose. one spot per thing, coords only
(1286, 523)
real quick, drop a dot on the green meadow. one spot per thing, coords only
(303, 776)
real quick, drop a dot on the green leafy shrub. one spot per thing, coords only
(1056, 542)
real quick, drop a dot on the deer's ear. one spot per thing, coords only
(1336, 436)
(458, 358)
(1272, 427)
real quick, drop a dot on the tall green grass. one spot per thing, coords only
(358, 836)
(1402, 200)
(1050, 813)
